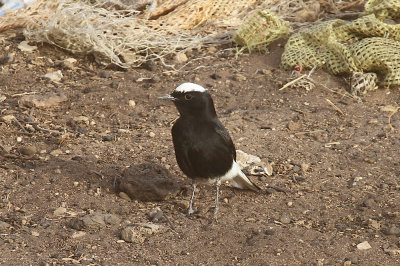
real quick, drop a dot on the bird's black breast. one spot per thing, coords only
(203, 149)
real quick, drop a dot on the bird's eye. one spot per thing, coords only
(188, 97)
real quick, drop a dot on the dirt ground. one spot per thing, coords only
(336, 177)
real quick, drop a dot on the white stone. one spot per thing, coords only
(25, 47)
(132, 103)
(364, 245)
(59, 211)
(54, 76)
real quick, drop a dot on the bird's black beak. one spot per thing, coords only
(167, 97)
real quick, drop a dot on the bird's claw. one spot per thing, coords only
(190, 211)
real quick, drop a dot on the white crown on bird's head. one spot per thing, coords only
(189, 87)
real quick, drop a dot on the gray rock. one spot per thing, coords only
(109, 138)
(148, 182)
(6, 59)
(55, 76)
(368, 203)
(104, 74)
(293, 126)
(270, 231)
(59, 211)
(94, 221)
(4, 226)
(384, 186)
(392, 252)
(353, 258)
(131, 235)
(44, 100)
(285, 219)
(156, 214)
(392, 230)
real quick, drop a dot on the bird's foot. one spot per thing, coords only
(190, 211)
(216, 211)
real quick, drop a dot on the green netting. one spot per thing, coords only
(383, 8)
(260, 29)
(366, 44)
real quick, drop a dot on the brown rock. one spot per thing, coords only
(293, 126)
(138, 233)
(94, 221)
(148, 182)
(43, 100)
(28, 150)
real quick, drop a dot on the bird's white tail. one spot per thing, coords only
(241, 181)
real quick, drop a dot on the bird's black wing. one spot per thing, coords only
(182, 142)
(223, 133)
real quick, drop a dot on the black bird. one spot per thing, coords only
(203, 148)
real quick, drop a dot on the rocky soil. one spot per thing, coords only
(72, 132)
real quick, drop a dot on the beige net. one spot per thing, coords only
(195, 13)
(129, 33)
(383, 8)
(366, 44)
(260, 29)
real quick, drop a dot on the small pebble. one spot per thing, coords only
(56, 152)
(156, 214)
(285, 219)
(81, 119)
(152, 134)
(374, 224)
(104, 74)
(132, 103)
(28, 150)
(364, 246)
(296, 168)
(384, 186)
(124, 196)
(76, 184)
(19, 139)
(368, 203)
(24, 183)
(4, 225)
(69, 63)
(181, 58)
(78, 234)
(109, 138)
(270, 231)
(353, 258)
(290, 203)
(305, 167)
(392, 230)
(55, 76)
(239, 77)
(7, 118)
(59, 211)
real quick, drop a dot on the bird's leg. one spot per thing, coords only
(217, 199)
(191, 211)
